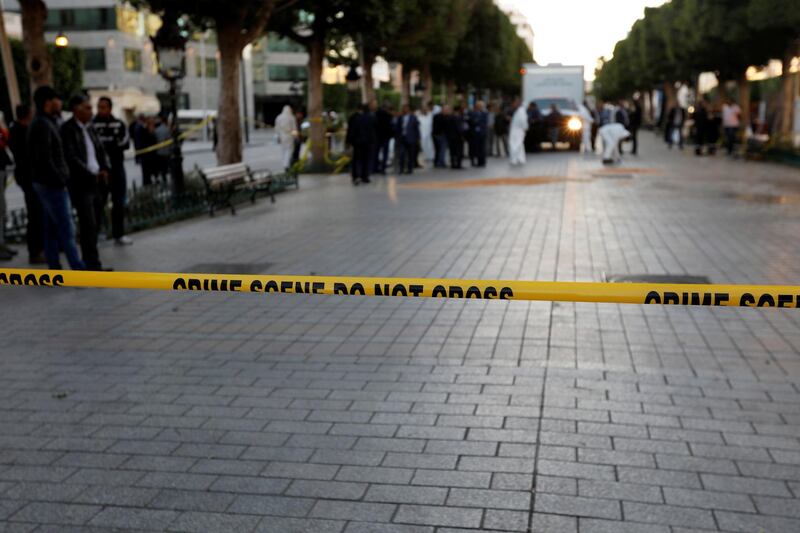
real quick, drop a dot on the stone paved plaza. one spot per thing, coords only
(129, 410)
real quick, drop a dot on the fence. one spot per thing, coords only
(151, 206)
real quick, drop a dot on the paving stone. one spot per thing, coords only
(439, 516)
(406, 494)
(213, 522)
(576, 506)
(357, 511)
(299, 525)
(125, 517)
(668, 515)
(56, 513)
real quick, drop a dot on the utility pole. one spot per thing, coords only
(8, 63)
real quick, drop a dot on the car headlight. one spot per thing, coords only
(574, 124)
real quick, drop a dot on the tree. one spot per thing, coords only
(779, 23)
(322, 26)
(237, 24)
(486, 55)
(67, 74)
(39, 62)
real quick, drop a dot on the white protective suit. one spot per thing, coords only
(587, 120)
(516, 139)
(612, 134)
(426, 135)
(286, 129)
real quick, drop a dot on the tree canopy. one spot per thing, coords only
(682, 38)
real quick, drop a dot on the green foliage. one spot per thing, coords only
(67, 70)
(67, 74)
(334, 97)
(390, 95)
(682, 38)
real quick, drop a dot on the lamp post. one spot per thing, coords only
(170, 45)
(352, 78)
(294, 88)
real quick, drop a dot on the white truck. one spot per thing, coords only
(559, 86)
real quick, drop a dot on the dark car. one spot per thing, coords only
(568, 124)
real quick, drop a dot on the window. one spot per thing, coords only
(287, 73)
(133, 60)
(211, 67)
(83, 19)
(94, 59)
(259, 72)
(276, 43)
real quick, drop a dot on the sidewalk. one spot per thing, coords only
(252, 412)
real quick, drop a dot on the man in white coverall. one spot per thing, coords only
(612, 134)
(519, 126)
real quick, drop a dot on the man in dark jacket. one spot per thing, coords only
(407, 139)
(361, 136)
(439, 131)
(634, 123)
(88, 166)
(113, 134)
(50, 174)
(384, 130)
(18, 144)
(455, 138)
(478, 126)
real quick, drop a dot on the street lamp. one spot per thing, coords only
(170, 45)
(352, 78)
(294, 88)
(61, 41)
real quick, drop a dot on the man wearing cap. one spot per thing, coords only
(49, 177)
(88, 166)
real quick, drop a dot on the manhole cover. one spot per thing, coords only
(658, 278)
(228, 268)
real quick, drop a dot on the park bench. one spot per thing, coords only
(222, 183)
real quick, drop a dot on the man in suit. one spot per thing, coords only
(455, 137)
(362, 137)
(383, 126)
(88, 166)
(407, 139)
(478, 125)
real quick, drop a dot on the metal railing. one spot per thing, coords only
(152, 205)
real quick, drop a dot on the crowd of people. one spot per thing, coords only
(709, 122)
(436, 136)
(442, 136)
(61, 165)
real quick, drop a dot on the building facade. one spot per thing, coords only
(119, 61)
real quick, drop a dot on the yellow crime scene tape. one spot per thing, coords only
(553, 291)
(184, 134)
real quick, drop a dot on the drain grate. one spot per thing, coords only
(658, 278)
(228, 268)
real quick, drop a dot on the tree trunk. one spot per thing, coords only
(743, 87)
(316, 54)
(427, 80)
(39, 63)
(670, 100)
(369, 82)
(649, 104)
(787, 92)
(450, 92)
(405, 90)
(229, 145)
